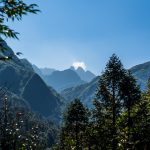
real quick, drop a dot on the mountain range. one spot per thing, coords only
(86, 76)
(61, 80)
(37, 88)
(23, 84)
(68, 78)
(42, 71)
(82, 84)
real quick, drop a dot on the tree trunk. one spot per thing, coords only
(114, 119)
(129, 123)
(77, 138)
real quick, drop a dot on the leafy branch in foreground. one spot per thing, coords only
(11, 10)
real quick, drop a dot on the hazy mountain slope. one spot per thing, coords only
(27, 85)
(27, 64)
(87, 91)
(141, 73)
(37, 70)
(61, 80)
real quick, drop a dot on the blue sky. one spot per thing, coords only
(89, 31)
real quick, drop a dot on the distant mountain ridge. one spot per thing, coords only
(86, 92)
(61, 80)
(84, 75)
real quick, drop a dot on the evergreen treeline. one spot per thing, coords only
(119, 120)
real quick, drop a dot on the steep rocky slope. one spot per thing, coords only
(20, 79)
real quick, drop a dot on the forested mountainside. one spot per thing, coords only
(18, 77)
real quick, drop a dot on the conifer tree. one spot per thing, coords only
(76, 119)
(141, 135)
(117, 94)
(109, 99)
(100, 134)
(130, 94)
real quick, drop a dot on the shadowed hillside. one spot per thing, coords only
(19, 77)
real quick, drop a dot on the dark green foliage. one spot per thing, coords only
(74, 126)
(131, 95)
(118, 108)
(141, 134)
(110, 101)
(11, 10)
(120, 119)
